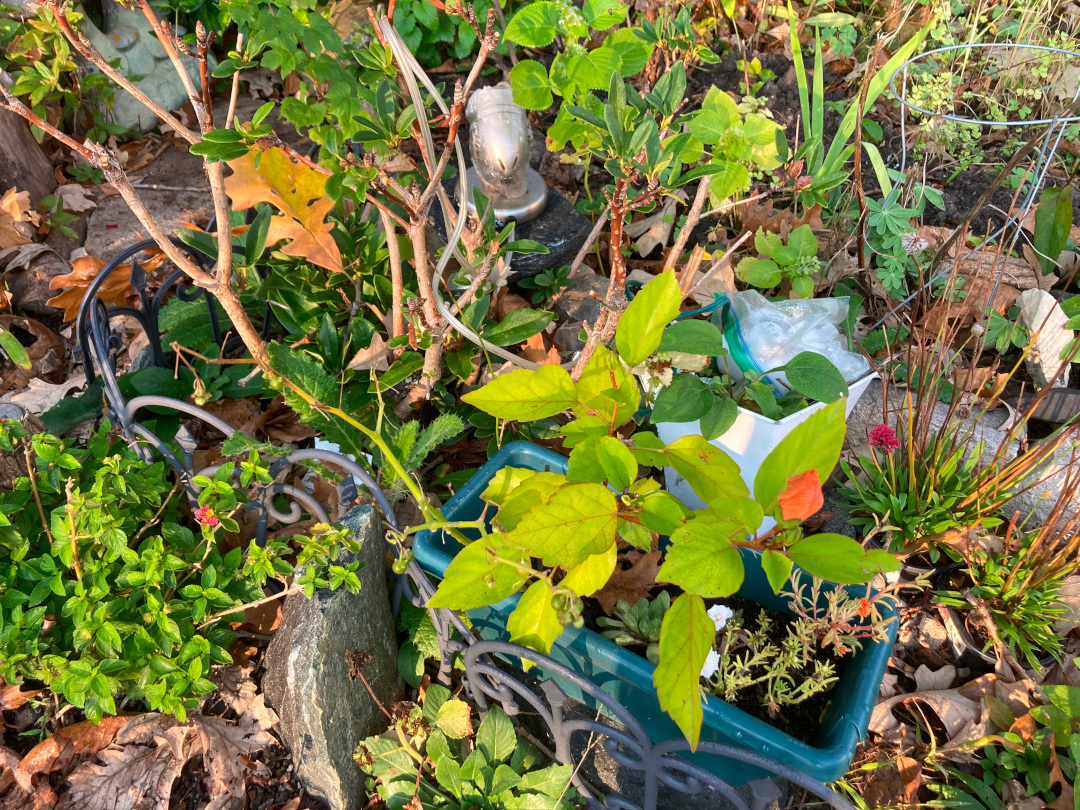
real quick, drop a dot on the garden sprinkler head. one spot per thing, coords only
(501, 144)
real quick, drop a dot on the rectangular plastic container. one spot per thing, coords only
(748, 441)
(627, 677)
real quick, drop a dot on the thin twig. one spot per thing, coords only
(235, 91)
(693, 217)
(34, 489)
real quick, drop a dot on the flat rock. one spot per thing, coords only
(324, 712)
(560, 228)
(1042, 315)
(576, 303)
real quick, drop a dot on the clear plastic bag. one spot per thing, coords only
(761, 335)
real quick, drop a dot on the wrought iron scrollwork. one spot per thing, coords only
(656, 766)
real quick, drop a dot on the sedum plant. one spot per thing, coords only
(572, 525)
(638, 624)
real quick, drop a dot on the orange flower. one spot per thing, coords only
(864, 607)
(802, 498)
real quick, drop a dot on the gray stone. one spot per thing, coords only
(869, 412)
(325, 713)
(1039, 499)
(129, 38)
(560, 228)
(576, 303)
(1047, 323)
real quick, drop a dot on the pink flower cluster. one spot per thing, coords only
(205, 515)
(883, 437)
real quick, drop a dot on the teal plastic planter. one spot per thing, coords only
(627, 677)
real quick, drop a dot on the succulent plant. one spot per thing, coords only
(637, 624)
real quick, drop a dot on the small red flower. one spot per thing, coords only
(802, 498)
(864, 607)
(883, 437)
(205, 515)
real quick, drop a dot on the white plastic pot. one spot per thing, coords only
(748, 442)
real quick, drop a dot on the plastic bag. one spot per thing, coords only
(761, 335)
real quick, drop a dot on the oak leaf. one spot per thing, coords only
(631, 583)
(15, 217)
(115, 290)
(298, 192)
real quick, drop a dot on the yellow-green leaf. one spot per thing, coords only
(535, 622)
(592, 574)
(701, 559)
(477, 577)
(579, 520)
(641, 326)
(686, 636)
(526, 395)
(813, 445)
(708, 470)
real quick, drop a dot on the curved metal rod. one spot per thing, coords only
(657, 758)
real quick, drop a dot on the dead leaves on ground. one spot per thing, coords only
(298, 192)
(16, 218)
(630, 583)
(133, 761)
(116, 289)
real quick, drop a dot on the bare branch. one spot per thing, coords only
(235, 85)
(203, 42)
(168, 42)
(81, 44)
(693, 217)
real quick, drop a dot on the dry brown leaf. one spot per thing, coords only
(373, 358)
(226, 752)
(298, 192)
(507, 303)
(15, 218)
(46, 353)
(39, 797)
(75, 742)
(281, 424)
(12, 697)
(631, 583)
(84, 270)
(78, 199)
(537, 352)
(9, 771)
(927, 679)
(895, 783)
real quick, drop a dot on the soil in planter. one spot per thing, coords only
(800, 720)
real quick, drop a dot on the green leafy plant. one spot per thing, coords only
(790, 671)
(429, 764)
(546, 284)
(637, 624)
(1053, 222)
(573, 524)
(106, 588)
(433, 35)
(795, 262)
(1005, 331)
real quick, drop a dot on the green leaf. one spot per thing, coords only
(454, 719)
(1053, 221)
(535, 622)
(535, 25)
(526, 395)
(1066, 698)
(777, 568)
(14, 350)
(496, 738)
(701, 559)
(531, 86)
(730, 178)
(833, 557)
(579, 520)
(692, 337)
(815, 377)
(813, 445)
(551, 781)
(709, 126)
(602, 14)
(519, 325)
(607, 390)
(633, 52)
(686, 636)
(589, 576)
(721, 416)
(593, 69)
(476, 577)
(662, 512)
(619, 465)
(584, 466)
(641, 326)
(762, 273)
(448, 775)
(708, 470)
(803, 241)
(687, 399)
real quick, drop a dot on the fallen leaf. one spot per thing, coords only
(509, 302)
(538, 353)
(19, 257)
(84, 270)
(298, 192)
(38, 396)
(373, 358)
(894, 783)
(77, 199)
(46, 353)
(39, 797)
(927, 679)
(76, 742)
(15, 218)
(630, 583)
(226, 749)
(281, 424)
